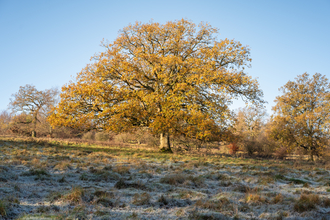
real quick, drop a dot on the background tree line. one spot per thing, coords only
(175, 82)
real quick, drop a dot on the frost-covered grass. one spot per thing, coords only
(55, 180)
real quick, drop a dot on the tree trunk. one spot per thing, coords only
(50, 131)
(165, 143)
(311, 154)
(34, 134)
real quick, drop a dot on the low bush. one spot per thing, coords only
(233, 148)
(89, 135)
(125, 138)
(281, 153)
(102, 136)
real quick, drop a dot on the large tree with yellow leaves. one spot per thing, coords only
(173, 78)
(302, 114)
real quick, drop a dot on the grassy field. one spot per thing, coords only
(47, 179)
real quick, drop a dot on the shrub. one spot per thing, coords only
(249, 146)
(125, 138)
(65, 132)
(150, 140)
(233, 148)
(89, 135)
(281, 153)
(102, 136)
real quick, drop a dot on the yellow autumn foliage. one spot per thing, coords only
(174, 78)
(302, 114)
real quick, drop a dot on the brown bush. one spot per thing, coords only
(250, 147)
(89, 135)
(102, 136)
(125, 138)
(65, 133)
(233, 148)
(281, 153)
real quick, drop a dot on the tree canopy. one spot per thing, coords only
(174, 78)
(302, 114)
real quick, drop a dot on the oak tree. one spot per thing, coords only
(302, 114)
(33, 102)
(173, 78)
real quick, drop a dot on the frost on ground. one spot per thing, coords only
(49, 181)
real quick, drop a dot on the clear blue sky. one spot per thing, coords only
(46, 43)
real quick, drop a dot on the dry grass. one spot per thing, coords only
(63, 165)
(36, 172)
(277, 199)
(121, 170)
(141, 199)
(75, 196)
(254, 198)
(174, 179)
(306, 202)
(122, 178)
(215, 205)
(326, 202)
(3, 208)
(163, 200)
(266, 180)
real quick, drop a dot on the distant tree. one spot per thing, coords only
(250, 120)
(174, 79)
(248, 127)
(302, 114)
(33, 102)
(5, 119)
